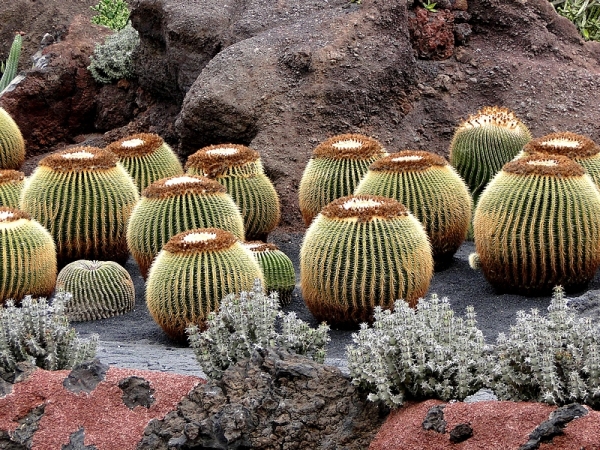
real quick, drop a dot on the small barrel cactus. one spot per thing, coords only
(175, 204)
(12, 145)
(192, 273)
(336, 167)
(361, 252)
(433, 192)
(537, 226)
(579, 148)
(11, 186)
(99, 289)
(240, 170)
(28, 257)
(84, 197)
(483, 143)
(277, 268)
(147, 158)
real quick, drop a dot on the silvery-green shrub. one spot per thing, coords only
(112, 60)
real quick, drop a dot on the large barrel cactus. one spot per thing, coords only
(433, 192)
(147, 158)
(192, 273)
(240, 170)
(537, 226)
(84, 197)
(11, 187)
(336, 167)
(579, 148)
(100, 289)
(175, 204)
(277, 268)
(27, 255)
(361, 252)
(483, 143)
(12, 145)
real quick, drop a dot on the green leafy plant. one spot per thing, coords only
(585, 14)
(39, 332)
(9, 68)
(247, 321)
(113, 14)
(430, 6)
(427, 352)
(112, 60)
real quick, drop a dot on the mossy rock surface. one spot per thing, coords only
(11, 187)
(12, 145)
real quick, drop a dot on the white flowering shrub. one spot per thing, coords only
(112, 60)
(419, 353)
(553, 359)
(247, 321)
(39, 332)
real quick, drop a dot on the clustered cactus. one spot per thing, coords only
(38, 332)
(112, 60)
(247, 321)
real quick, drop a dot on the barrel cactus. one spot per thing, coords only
(336, 167)
(579, 148)
(537, 226)
(240, 170)
(147, 158)
(433, 192)
(84, 197)
(192, 273)
(483, 143)
(175, 204)
(277, 268)
(11, 186)
(99, 289)
(28, 257)
(12, 145)
(361, 252)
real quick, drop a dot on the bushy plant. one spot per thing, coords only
(112, 60)
(427, 352)
(553, 359)
(585, 14)
(39, 332)
(247, 321)
(113, 14)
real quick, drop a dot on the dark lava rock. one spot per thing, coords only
(554, 426)
(136, 392)
(77, 442)
(86, 376)
(434, 420)
(273, 400)
(460, 433)
(22, 436)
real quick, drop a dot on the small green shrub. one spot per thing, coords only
(39, 332)
(112, 60)
(585, 14)
(553, 359)
(113, 14)
(427, 352)
(247, 321)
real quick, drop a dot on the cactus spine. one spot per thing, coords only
(84, 197)
(483, 143)
(11, 186)
(433, 192)
(27, 255)
(361, 252)
(147, 158)
(240, 170)
(175, 204)
(12, 145)
(336, 167)
(192, 273)
(99, 289)
(537, 226)
(277, 268)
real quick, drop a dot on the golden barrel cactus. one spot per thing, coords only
(240, 170)
(84, 197)
(147, 158)
(361, 252)
(432, 191)
(99, 289)
(27, 256)
(537, 226)
(175, 204)
(336, 167)
(12, 145)
(11, 187)
(192, 273)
